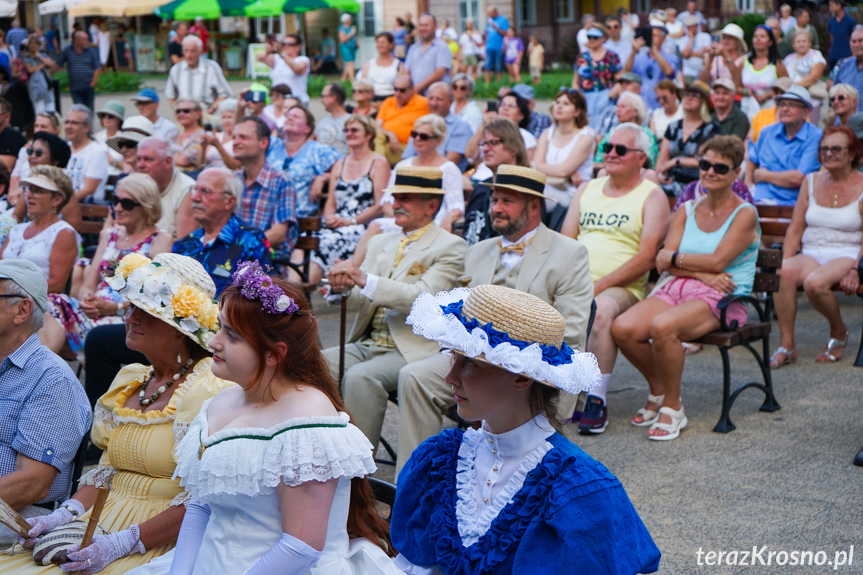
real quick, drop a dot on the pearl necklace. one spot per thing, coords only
(142, 397)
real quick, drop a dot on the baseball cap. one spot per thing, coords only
(726, 83)
(523, 91)
(630, 77)
(146, 95)
(29, 277)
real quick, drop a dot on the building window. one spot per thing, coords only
(642, 6)
(744, 6)
(368, 15)
(469, 9)
(526, 11)
(565, 10)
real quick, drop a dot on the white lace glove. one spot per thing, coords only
(104, 550)
(69, 511)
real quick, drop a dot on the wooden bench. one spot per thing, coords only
(748, 336)
(774, 221)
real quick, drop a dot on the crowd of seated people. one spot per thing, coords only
(655, 158)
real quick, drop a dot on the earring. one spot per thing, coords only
(179, 359)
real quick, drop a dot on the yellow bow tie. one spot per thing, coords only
(514, 248)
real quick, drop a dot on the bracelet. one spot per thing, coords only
(674, 259)
(354, 221)
(74, 507)
(680, 263)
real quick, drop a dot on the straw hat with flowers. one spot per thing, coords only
(507, 328)
(174, 288)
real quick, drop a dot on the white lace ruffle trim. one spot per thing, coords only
(182, 498)
(101, 477)
(252, 461)
(473, 523)
(429, 321)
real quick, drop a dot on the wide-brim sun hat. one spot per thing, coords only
(113, 108)
(417, 180)
(173, 288)
(510, 329)
(736, 32)
(700, 87)
(136, 128)
(520, 179)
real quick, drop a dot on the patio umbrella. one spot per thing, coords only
(56, 6)
(207, 9)
(116, 8)
(264, 8)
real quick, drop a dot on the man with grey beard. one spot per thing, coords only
(528, 257)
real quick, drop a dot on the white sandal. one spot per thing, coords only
(678, 422)
(648, 416)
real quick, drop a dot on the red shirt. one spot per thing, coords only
(201, 32)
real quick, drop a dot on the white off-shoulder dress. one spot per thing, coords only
(236, 471)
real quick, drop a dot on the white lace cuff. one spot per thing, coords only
(100, 477)
(181, 499)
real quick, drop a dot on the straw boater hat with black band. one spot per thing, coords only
(417, 180)
(522, 180)
(513, 330)
(174, 288)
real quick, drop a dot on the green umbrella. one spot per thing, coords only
(264, 8)
(207, 9)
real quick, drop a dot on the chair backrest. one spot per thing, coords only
(767, 267)
(307, 240)
(385, 493)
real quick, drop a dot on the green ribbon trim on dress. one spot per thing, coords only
(263, 438)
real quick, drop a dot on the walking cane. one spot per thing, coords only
(342, 329)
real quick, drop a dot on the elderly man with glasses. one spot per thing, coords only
(43, 408)
(88, 166)
(785, 151)
(223, 240)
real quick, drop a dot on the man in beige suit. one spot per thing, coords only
(528, 257)
(397, 269)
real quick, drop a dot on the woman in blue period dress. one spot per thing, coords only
(275, 468)
(513, 496)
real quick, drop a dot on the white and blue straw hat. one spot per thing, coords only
(507, 328)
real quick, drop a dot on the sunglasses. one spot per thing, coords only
(361, 91)
(619, 149)
(420, 136)
(835, 150)
(720, 169)
(460, 87)
(352, 130)
(126, 203)
(105, 116)
(31, 151)
(131, 144)
(840, 97)
(186, 110)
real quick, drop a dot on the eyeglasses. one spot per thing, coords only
(421, 136)
(203, 192)
(186, 110)
(289, 44)
(352, 130)
(126, 203)
(489, 143)
(74, 123)
(31, 151)
(401, 89)
(35, 190)
(840, 97)
(146, 103)
(785, 103)
(835, 150)
(106, 116)
(360, 91)
(619, 149)
(692, 94)
(719, 168)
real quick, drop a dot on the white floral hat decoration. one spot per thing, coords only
(508, 328)
(173, 288)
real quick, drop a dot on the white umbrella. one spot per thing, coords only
(116, 8)
(56, 6)
(8, 8)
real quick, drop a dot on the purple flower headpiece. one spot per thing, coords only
(254, 284)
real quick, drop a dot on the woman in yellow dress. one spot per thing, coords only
(138, 421)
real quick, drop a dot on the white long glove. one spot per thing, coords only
(289, 556)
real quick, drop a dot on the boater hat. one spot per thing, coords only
(519, 179)
(417, 180)
(174, 288)
(507, 328)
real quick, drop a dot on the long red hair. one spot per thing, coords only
(303, 364)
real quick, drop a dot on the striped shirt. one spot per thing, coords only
(203, 84)
(270, 200)
(44, 413)
(80, 65)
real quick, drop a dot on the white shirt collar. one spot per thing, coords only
(521, 440)
(524, 238)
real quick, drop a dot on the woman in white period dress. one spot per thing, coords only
(275, 468)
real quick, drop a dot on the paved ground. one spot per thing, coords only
(783, 480)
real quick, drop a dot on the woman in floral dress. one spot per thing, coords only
(595, 71)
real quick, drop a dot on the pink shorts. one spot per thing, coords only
(681, 290)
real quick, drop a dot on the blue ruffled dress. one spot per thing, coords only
(570, 516)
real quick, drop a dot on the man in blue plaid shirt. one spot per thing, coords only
(44, 412)
(269, 199)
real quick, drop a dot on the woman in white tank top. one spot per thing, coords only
(828, 222)
(566, 148)
(383, 70)
(760, 71)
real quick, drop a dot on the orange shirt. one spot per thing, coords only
(761, 120)
(401, 121)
